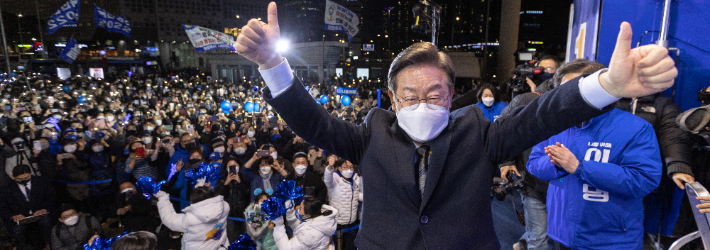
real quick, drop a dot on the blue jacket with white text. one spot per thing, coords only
(600, 206)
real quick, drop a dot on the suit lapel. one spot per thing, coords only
(439, 149)
(404, 153)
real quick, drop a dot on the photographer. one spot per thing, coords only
(16, 154)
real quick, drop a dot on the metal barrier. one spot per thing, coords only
(695, 190)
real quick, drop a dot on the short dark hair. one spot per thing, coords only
(576, 66)
(490, 87)
(299, 155)
(339, 163)
(65, 207)
(312, 206)
(420, 54)
(551, 57)
(20, 170)
(200, 194)
(141, 240)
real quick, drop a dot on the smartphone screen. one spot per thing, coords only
(262, 153)
(233, 169)
(189, 128)
(37, 145)
(168, 127)
(8, 107)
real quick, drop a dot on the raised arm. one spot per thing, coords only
(632, 73)
(288, 97)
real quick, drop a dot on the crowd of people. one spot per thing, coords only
(73, 149)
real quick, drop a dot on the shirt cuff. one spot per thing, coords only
(278, 78)
(593, 93)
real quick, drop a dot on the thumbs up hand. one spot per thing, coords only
(257, 40)
(637, 72)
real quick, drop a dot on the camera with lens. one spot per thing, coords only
(529, 69)
(504, 189)
(19, 146)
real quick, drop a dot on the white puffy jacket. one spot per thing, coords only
(204, 224)
(314, 233)
(343, 196)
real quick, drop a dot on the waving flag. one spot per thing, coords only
(339, 18)
(67, 14)
(204, 39)
(111, 23)
(72, 51)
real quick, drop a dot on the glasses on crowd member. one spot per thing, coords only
(548, 69)
(433, 101)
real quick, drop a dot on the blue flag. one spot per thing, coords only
(71, 52)
(111, 23)
(67, 14)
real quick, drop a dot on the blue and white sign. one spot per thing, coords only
(583, 31)
(71, 52)
(339, 18)
(67, 14)
(346, 91)
(111, 23)
(204, 39)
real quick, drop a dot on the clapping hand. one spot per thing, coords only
(562, 157)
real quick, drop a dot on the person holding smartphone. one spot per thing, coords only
(236, 192)
(76, 169)
(267, 176)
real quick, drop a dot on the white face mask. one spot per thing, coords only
(240, 151)
(71, 220)
(147, 140)
(128, 190)
(275, 155)
(158, 122)
(219, 150)
(348, 173)
(488, 101)
(265, 170)
(70, 148)
(98, 148)
(423, 123)
(110, 118)
(149, 128)
(300, 169)
(250, 134)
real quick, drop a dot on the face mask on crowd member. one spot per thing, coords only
(240, 148)
(487, 97)
(300, 163)
(69, 216)
(345, 168)
(421, 96)
(187, 142)
(251, 133)
(70, 147)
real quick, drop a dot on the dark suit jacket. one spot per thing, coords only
(13, 202)
(455, 212)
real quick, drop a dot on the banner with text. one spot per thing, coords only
(204, 39)
(71, 52)
(67, 14)
(345, 91)
(338, 18)
(111, 23)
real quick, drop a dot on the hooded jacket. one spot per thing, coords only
(313, 233)
(344, 195)
(204, 224)
(600, 206)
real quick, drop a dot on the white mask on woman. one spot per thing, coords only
(219, 150)
(488, 101)
(265, 170)
(110, 118)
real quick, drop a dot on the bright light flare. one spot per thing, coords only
(282, 45)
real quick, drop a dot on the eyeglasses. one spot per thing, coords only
(433, 102)
(548, 69)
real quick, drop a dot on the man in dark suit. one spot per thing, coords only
(426, 173)
(28, 196)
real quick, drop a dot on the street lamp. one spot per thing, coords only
(19, 27)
